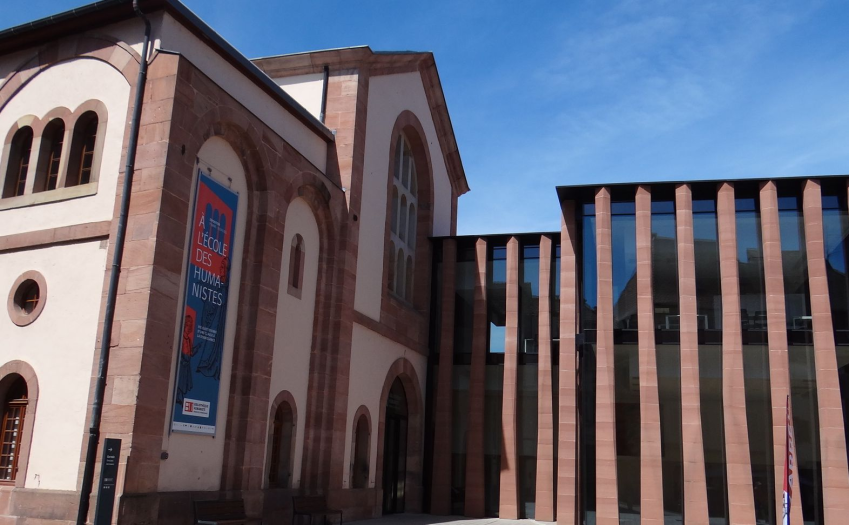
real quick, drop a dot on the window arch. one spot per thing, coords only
(296, 266)
(12, 428)
(360, 450)
(18, 166)
(50, 156)
(282, 447)
(81, 168)
(404, 218)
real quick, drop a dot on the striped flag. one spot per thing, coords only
(788, 467)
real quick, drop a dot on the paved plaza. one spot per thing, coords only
(427, 519)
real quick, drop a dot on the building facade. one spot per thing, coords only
(638, 365)
(295, 314)
(274, 289)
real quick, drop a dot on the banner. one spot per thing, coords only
(788, 467)
(205, 308)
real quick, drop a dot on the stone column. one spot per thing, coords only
(695, 483)
(607, 492)
(544, 510)
(567, 424)
(440, 499)
(508, 502)
(779, 367)
(741, 503)
(651, 465)
(835, 476)
(474, 505)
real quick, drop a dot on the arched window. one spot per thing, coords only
(359, 453)
(11, 432)
(391, 266)
(16, 171)
(282, 441)
(50, 156)
(296, 265)
(81, 168)
(404, 218)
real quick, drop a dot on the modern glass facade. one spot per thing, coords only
(762, 249)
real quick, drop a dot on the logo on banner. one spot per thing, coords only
(205, 307)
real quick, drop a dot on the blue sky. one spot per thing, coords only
(570, 92)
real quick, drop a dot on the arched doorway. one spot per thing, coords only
(395, 449)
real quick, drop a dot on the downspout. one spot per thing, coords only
(109, 316)
(324, 94)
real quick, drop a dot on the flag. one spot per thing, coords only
(788, 467)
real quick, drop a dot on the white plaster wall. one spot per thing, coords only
(294, 326)
(371, 357)
(195, 462)
(306, 89)
(388, 96)
(81, 80)
(177, 37)
(59, 346)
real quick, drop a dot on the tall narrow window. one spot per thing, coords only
(296, 265)
(359, 454)
(50, 157)
(14, 412)
(403, 220)
(16, 173)
(82, 150)
(282, 439)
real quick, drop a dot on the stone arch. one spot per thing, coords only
(283, 397)
(403, 370)
(408, 123)
(116, 53)
(9, 372)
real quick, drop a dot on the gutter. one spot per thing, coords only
(114, 274)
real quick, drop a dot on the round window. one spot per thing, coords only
(27, 297)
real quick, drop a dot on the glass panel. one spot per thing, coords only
(411, 227)
(755, 356)
(708, 290)
(587, 365)
(527, 439)
(759, 420)
(664, 255)
(713, 437)
(459, 428)
(402, 229)
(464, 301)
(836, 229)
(624, 248)
(493, 399)
(627, 372)
(394, 222)
(496, 298)
(529, 300)
(803, 380)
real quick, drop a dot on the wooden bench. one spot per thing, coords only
(312, 506)
(222, 512)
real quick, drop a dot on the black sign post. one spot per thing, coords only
(108, 477)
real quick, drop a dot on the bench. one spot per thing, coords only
(222, 512)
(312, 506)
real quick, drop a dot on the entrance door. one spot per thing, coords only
(395, 450)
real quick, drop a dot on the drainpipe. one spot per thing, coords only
(324, 94)
(106, 336)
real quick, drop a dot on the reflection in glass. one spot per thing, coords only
(836, 230)
(529, 299)
(755, 356)
(464, 301)
(803, 375)
(459, 428)
(664, 255)
(496, 297)
(709, 306)
(526, 438)
(587, 364)
(626, 360)
(493, 399)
